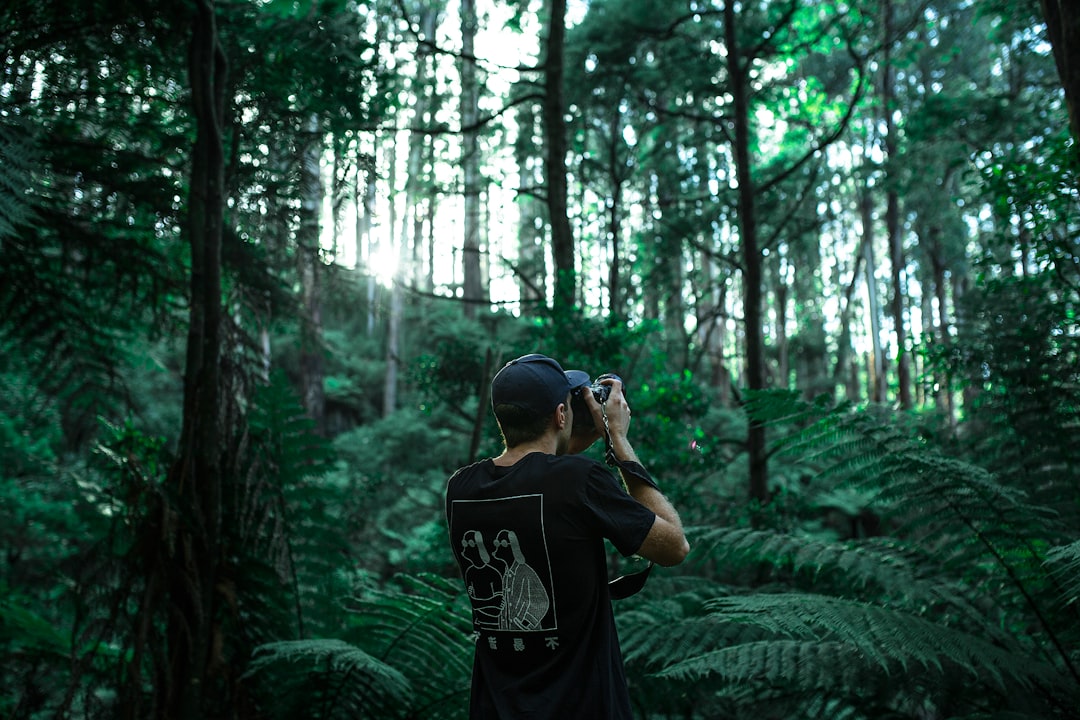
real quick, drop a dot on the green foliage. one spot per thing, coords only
(903, 567)
(327, 679)
(18, 150)
(961, 607)
(407, 653)
(894, 641)
(288, 541)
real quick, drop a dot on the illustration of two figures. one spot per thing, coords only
(506, 593)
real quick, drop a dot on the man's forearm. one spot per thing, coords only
(645, 493)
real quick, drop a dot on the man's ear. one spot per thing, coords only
(561, 416)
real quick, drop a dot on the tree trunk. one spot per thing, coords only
(410, 223)
(1063, 28)
(195, 477)
(366, 186)
(944, 393)
(308, 256)
(531, 269)
(470, 162)
(562, 237)
(751, 256)
(876, 367)
(841, 371)
(393, 319)
(892, 226)
(780, 308)
(616, 307)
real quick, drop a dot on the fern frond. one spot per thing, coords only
(285, 529)
(335, 680)
(22, 628)
(671, 623)
(979, 527)
(883, 569)
(1064, 562)
(888, 638)
(19, 159)
(424, 628)
(808, 665)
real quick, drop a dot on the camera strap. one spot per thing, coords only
(630, 584)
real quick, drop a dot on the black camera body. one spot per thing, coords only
(582, 416)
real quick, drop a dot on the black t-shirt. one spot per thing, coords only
(530, 543)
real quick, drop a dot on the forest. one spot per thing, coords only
(259, 260)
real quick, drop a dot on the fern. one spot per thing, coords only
(284, 532)
(406, 653)
(964, 607)
(884, 636)
(885, 570)
(425, 629)
(980, 528)
(1064, 563)
(20, 157)
(335, 680)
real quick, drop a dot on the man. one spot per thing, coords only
(554, 652)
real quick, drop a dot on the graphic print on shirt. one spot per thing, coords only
(507, 568)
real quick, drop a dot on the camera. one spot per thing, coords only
(582, 416)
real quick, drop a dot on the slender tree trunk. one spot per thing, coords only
(393, 320)
(562, 237)
(366, 243)
(893, 229)
(751, 255)
(193, 555)
(531, 269)
(843, 344)
(307, 241)
(470, 162)
(780, 308)
(615, 172)
(876, 368)
(410, 221)
(941, 327)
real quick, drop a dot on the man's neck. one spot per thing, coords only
(511, 456)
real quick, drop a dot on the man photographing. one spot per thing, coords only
(527, 529)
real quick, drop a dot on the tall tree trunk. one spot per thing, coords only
(562, 237)
(751, 255)
(193, 555)
(841, 373)
(470, 162)
(393, 320)
(308, 256)
(1063, 28)
(411, 220)
(615, 172)
(892, 224)
(780, 308)
(876, 370)
(366, 247)
(531, 270)
(944, 394)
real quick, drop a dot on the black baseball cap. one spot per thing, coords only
(535, 383)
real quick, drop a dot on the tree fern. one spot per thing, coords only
(284, 531)
(882, 636)
(20, 157)
(976, 525)
(1064, 563)
(885, 570)
(405, 653)
(958, 608)
(328, 679)
(422, 625)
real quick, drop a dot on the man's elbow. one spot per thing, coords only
(675, 554)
